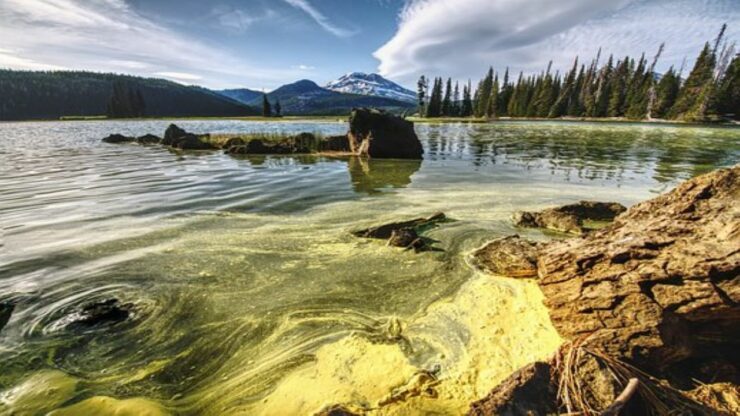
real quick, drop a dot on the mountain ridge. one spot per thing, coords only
(371, 85)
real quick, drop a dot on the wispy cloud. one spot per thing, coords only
(110, 36)
(303, 67)
(320, 18)
(238, 19)
(455, 37)
(179, 76)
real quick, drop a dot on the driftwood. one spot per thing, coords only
(623, 398)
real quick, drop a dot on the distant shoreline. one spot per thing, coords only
(420, 120)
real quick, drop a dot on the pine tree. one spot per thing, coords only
(447, 100)
(728, 94)
(618, 86)
(665, 94)
(456, 101)
(422, 89)
(484, 94)
(700, 77)
(266, 107)
(434, 108)
(278, 108)
(504, 95)
(467, 102)
(492, 110)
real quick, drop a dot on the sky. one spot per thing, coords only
(262, 44)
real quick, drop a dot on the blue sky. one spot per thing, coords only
(262, 44)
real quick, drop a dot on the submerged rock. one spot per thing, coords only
(119, 138)
(404, 234)
(192, 142)
(6, 310)
(511, 256)
(406, 238)
(339, 410)
(375, 133)
(148, 139)
(107, 312)
(385, 231)
(660, 287)
(569, 218)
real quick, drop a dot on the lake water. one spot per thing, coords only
(251, 296)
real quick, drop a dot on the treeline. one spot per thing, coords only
(624, 87)
(28, 95)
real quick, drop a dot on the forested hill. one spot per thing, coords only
(30, 95)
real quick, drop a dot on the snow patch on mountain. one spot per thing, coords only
(370, 84)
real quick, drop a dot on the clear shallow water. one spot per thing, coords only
(244, 274)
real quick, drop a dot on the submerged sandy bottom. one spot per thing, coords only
(493, 326)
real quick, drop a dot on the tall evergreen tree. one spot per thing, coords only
(492, 110)
(434, 108)
(666, 92)
(700, 77)
(728, 94)
(456, 100)
(422, 90)
(466, 109)
(504, 95)
(618, 86)
(266, 107)
(484, 94)
(278, 108)
(447, 100)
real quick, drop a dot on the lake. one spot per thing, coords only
(250, 295)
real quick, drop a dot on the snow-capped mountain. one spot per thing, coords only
(371, 84)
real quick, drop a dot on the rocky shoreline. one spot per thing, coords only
(653, 297)
(372, 133)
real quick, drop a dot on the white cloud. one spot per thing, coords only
(238, 19)
(180, 76)
(461, 38)
(303, 67)
(110, 36)
(320, 19)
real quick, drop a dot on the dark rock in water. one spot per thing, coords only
(191, 142)
(338, 410)
(376, 133)
(119, 138)
(529, 391)
(6, 310)
(660, 287)
(148, 139)
(511, 256)
(171, 134)
(569, 218)
(386, 231)
(406, 238)
(335, 144)
(107, 312)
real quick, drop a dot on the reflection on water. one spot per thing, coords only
(371, 176)
(250, 296)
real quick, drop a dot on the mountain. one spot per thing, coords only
(371, 84)
(305, 97)
(243, 95)
(30, 95)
